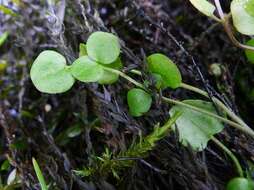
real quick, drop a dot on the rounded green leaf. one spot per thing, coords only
(195, 128)
(161, 65)
(86, 70)
(50, 74)
(139, 102)
(243, 21)
(109, 77)
(103, 47)
(250, 54)
(240, 183)
(204, 7)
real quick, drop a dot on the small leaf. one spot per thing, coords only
(250, 7)
(39, 175)
(240, 183)
(161, 65)
(195, 128)
(250, 54)
(82, 50)
(139, 102)
(74, 131)
(204, 7)
(12, 176)
(243, 21)
(108, 77)
(50, 74)
(5, 165)
(86, 70)
(7, 11)
(103, 47)
(3, 38)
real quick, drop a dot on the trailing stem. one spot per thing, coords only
(225, 21)
(231, 155)
(229, 112)
(176, 102)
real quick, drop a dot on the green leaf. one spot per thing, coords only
(5, 165)
(195, 128)
(39, 175)
(82, 50)
(50, 74)
(250, 7)
(7, 11)
(204, 7)
(240, 183)
(3, 38)
(103, 47)
(139, 102)
(109, 77)
(161, 65)
(250, 54)
(243, 21)
(86, 70)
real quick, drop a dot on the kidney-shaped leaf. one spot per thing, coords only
(109, 77)
(243, 21)
(50, 74)
(86, 70)
(195, 128)
(103, 47)
(139, 102)
(240, 183)
(162, 65)
(250, 54)
(204, 7)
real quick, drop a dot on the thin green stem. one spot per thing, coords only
(136, 72)
(125, 76)
(231, 155)
(231, 123)
(176, 102)
(229, 112)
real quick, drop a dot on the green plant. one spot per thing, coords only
(250, 54)
(39, 175)
(114, 164)
(240, 183)
(3, 38)
(241, 12)
(198, 123)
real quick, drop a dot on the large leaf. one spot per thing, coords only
(103, 47)
(250, 54)
(139, 102)
(243, 21)
(50, 74)
(109, 77)
(161, 65)
(195, 128)
(86, 70)
(204, 7)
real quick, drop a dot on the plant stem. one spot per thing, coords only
(227, 26)
(229, 112)
(176, 102)
(231, 123)
(125, 76)
(231, 155)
